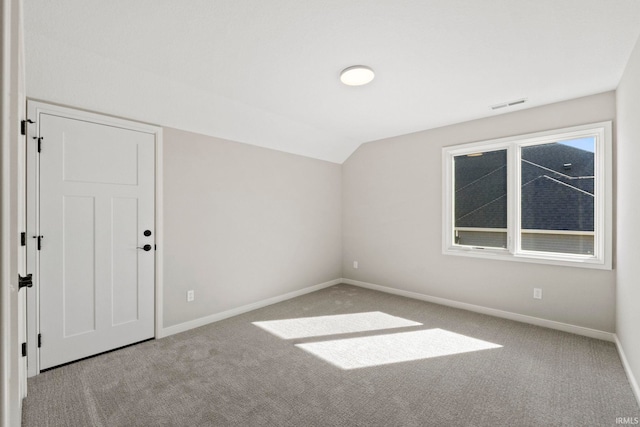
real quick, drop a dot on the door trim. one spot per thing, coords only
(34, 109)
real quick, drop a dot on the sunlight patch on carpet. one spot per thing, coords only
(362, 352)
(305, 327)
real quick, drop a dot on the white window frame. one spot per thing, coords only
(603, 185)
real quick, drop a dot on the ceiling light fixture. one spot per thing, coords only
(357, 75)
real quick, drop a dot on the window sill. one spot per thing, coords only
(504, 255)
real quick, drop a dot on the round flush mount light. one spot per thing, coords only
(357, 75)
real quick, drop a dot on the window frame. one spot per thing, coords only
(603, 206)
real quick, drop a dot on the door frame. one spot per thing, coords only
(34, 109)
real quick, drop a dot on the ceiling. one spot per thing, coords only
(266, 72)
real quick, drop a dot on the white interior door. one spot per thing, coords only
(96, 212)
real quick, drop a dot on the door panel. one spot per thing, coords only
(124, 268)
(78, 269)
(84, 156)
(96, 199)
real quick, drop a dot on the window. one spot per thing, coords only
(543, 197)
(480, 199)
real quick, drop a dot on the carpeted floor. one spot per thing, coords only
(400, 362)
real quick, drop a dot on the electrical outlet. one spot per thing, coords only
(190, 296)
(537, 293)
(355, 264)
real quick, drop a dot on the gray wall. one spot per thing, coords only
(628, 179)
(244, 223)
(392, 224)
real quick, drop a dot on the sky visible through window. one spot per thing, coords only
(587, 144)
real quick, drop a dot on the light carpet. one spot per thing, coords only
(429, 366)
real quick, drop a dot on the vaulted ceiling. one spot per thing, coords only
(265, 72)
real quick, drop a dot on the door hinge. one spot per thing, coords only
(23, 126)
(23, 239)
(25, 282)
(39, 340)
(39, 139)
(24, 349)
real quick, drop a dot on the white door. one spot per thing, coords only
(96, 213)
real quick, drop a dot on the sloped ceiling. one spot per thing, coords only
(266, 72)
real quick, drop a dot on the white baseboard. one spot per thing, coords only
(182, 327)
(579, 330)
(627, 369)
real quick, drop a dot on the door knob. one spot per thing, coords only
(145, 248)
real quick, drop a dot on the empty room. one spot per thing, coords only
(320, 213)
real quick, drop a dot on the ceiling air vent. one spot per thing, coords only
(509, 104)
